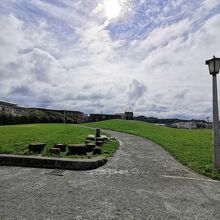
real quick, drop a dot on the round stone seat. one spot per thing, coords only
(97, 150)
(91, 137)
(36, 147)
(54, 150)
(62, 147)
(99, 143)
(77, 148)
(100, 139)
(104, 137)
(90, 147)
(87, 141)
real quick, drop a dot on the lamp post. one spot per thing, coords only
(214, 65)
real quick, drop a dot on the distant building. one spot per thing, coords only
(86, 118)
(129, 115)
(38, 115)
(102, 117)
(12, 109)
(66, 115)
(190, 125)
(41, 114)
(122, 115)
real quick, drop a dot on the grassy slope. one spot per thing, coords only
(15, 138)
(192, 148)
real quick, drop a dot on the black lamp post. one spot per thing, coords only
(214, 65)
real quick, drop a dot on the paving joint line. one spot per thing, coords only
(190, 178)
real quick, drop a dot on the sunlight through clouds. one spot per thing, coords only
(111, 8)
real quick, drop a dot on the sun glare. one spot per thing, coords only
(112, 8)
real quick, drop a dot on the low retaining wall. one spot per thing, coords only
(52, 163)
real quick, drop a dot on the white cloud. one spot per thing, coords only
(12, 38)
(162, 74)
(210, 4)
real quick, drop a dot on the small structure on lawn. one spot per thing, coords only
(190, 124)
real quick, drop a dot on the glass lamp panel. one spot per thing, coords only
(211, 66)
(217, 65)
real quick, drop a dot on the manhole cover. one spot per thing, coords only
(56, 172)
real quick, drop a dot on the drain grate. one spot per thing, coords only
(56, 172)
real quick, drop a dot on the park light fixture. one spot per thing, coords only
(214, 65)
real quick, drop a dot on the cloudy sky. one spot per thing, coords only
(110, 55)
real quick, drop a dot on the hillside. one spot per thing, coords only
(162, 120)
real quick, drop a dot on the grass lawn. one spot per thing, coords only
(192, 148)
(14, 139)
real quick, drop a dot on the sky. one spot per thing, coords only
(108, 56)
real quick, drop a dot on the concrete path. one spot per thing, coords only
(141, 181)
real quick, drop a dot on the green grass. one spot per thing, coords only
(14, 139)
(193, 148)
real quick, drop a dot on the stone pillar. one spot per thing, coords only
(98, 132)
(216, 136)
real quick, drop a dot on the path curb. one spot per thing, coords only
(51, 163)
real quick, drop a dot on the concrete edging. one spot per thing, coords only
(51, 163)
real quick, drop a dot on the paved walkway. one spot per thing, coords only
(141, 181)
